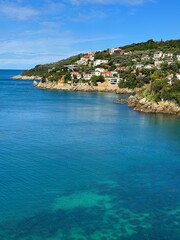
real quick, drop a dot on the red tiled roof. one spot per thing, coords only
(86, 56)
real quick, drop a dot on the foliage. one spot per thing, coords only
(67, 77)
(40, 70)
(161, 89)
(95, 79)
(174, 45)
(131, 81)
(102, 55)
(125, 66)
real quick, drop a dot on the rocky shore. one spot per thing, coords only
(144, 105)
(136, 102)
(84, 87)
(22, 77)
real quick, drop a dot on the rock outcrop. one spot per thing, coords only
(85, 87)
(143, 105)
(22, 77)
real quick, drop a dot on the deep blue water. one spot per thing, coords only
(76, 166)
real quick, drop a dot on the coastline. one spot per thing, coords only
(84, 87)
(22, 77)
(143, 105)
(136, 102)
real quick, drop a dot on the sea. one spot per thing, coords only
(77, 166)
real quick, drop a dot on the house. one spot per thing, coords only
(114, 80)
(178, 57)
(82, 61)
(157, 63)
(121, 68)
(168, 55)
(98, 62)
(107, 74)
(178, 76)
(149, 66)
(127, 53)
(75, 75)
(87, 76)
(51, 69)
(70, 67)
(145, 58)
(114, 72)
(85, 59)
(134, 60)
(169, 61)
(172, 78)
(158, 55)
(100, 70)
(138, 66)
(116, 51)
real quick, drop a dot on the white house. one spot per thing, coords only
(168, 55)
(138, 66)
(114, 80)
(82, 61)
(149, 66)
(97, 73)
(145, 58)
(85, 58)
(178, 57)
(107, 74)
(178, 76)
(87, 76)
(158, 55)
(51, 69)
(75, 75)
(99, 62)
(115, 50)
(99, 70)
(157, 63)
(169, 61)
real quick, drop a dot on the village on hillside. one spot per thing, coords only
(151, 65)
(124, 66)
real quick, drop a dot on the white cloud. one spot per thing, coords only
(17, 11)
(26, 52)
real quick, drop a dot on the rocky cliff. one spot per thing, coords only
(144, 105)
(85, 87)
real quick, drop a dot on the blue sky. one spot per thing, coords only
(36, 32)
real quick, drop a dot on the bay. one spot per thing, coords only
(76, 166)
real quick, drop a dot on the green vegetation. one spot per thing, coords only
(162, 90)
(134, 66)
(40, 70)
(102, 55)
(173, 45)
(96, 79)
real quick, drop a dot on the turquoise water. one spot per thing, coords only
(76, 166)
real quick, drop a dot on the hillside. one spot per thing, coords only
(149, 46)
(156, 64)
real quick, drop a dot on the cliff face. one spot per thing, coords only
(85, 87)
(143, 105)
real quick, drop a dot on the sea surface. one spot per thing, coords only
(76, 166)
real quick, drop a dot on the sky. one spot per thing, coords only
(43, 31)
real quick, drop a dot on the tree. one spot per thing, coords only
(67, 77)
(95, 79)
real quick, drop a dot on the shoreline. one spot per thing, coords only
(21, 77)
(84, 87)
(136, 102)
(143, 105)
